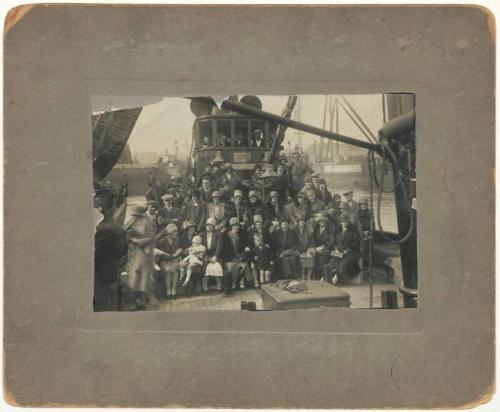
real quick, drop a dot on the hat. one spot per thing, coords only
(188, 224)
(196, 239)
(349, 192)
(252, 193)
(167, 196)
(238, 193)
(171, 228)
(273, 194)
(321, 181)
(257, 218)
(234, 221)
(363, 201)
(138, 211)
(315, 174)
(301, 194)
(216, 194)
(211, 221)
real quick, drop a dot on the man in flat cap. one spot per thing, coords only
(350, 206)
(169, 213)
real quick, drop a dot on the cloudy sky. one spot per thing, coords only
(170, 120)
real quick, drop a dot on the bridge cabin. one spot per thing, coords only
(240, 140)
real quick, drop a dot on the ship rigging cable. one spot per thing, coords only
(388, 153)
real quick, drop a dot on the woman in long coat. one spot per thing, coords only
(141, 238)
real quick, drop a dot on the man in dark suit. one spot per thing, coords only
(233, 253)
(206, 189)
(169, 213)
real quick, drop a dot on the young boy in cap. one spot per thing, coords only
(262, 261)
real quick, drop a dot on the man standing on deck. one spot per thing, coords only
(298, 171)
(109, 257)
(350, 206)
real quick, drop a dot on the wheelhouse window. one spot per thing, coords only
(205, 135)
(257, 133)
(241, 133)
(224, 133)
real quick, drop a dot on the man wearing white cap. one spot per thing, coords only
(169, 213)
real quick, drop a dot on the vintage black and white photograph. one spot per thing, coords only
(254, 202)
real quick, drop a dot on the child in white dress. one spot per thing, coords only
(195, 258)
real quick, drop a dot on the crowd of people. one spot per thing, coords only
(220, 235)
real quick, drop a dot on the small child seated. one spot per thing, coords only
(194, 258)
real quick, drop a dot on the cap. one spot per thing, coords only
(234, 221)
(322, 181)
(363, 201)
(315, 174)
(167, 196)
(238, 193)
(211, 221)
(273, 194)
(349, 192)
(138, 211)
(216, 194)
(252, 193)
(171, 228)
(257, 218)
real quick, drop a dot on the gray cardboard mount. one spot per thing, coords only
(58, 352)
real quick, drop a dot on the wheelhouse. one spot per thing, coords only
(240, 140)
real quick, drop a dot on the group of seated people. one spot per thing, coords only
(208, 243)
